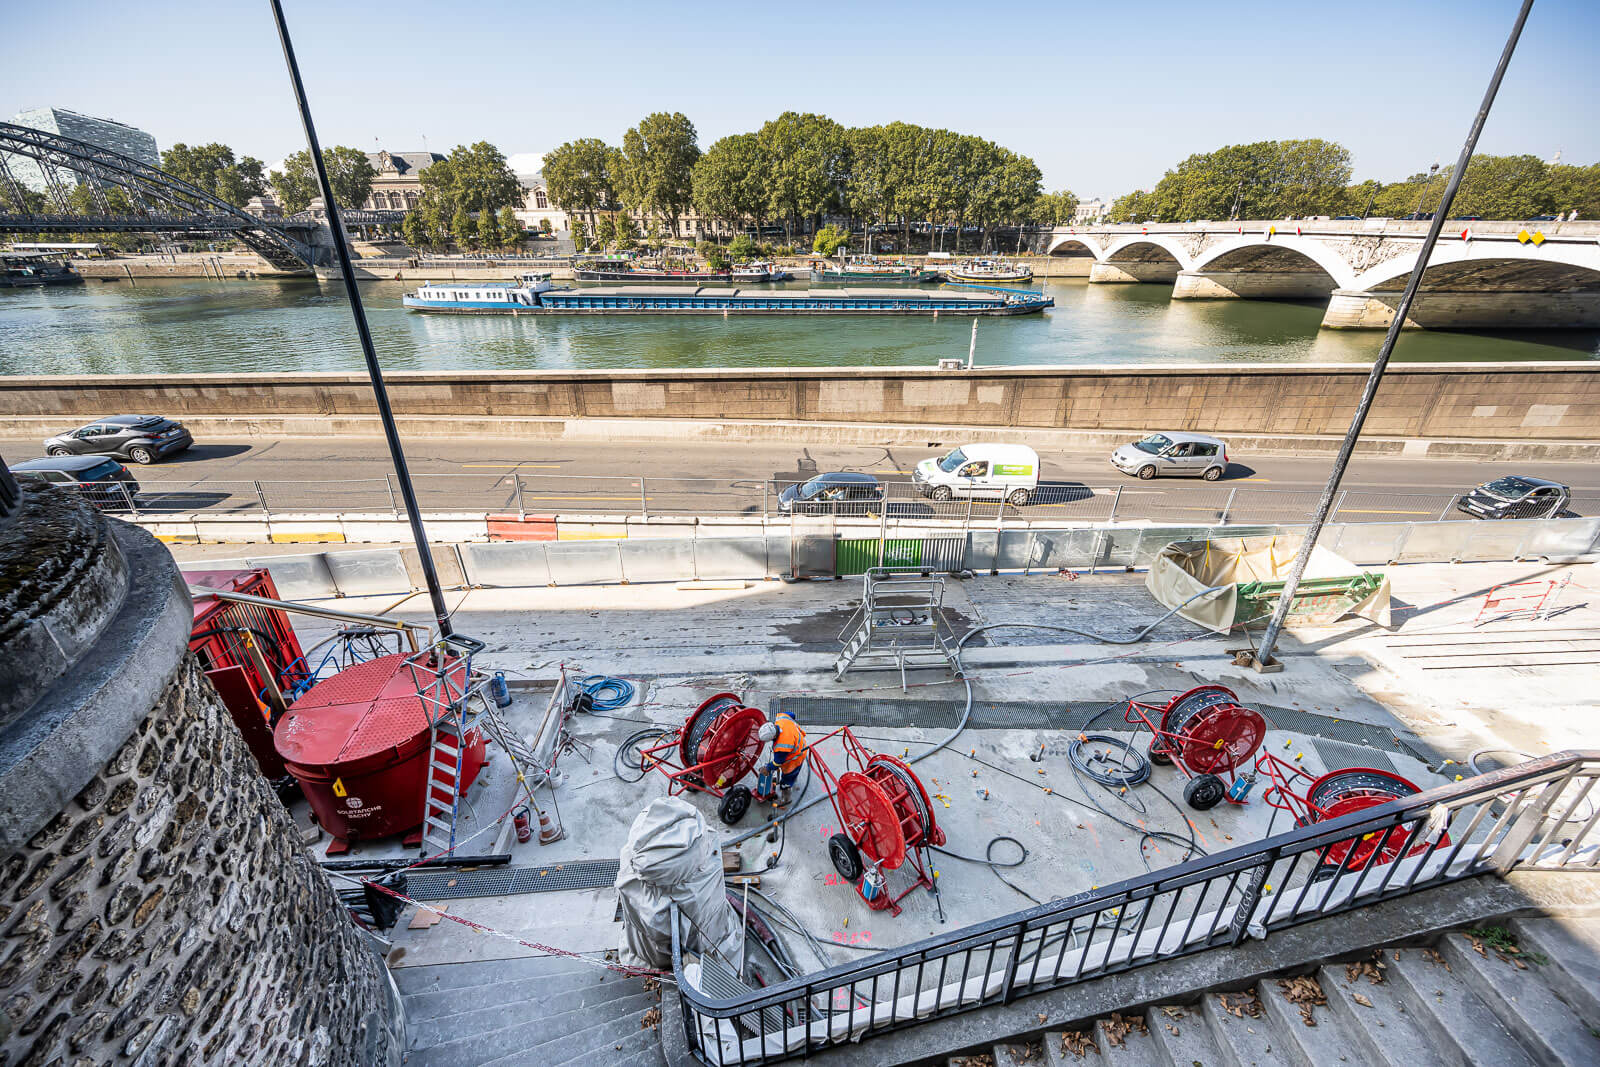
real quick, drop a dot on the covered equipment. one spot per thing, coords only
(671, 857)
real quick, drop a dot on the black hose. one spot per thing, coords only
(993, 864)
(1130, 769)
(618, 761)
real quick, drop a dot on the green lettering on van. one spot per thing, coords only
(1015, 470)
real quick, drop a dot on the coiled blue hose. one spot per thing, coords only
(606, 694)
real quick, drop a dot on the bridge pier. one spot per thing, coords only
(1435, 309)
(1251, 285)
(1132, 271)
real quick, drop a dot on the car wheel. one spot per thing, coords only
(58, 450)
(142, 456)
(1147, 472)
(941, 493)
(1018, 498)
(1212, 474)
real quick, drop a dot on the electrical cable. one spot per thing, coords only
(632, 744)
(592, 687)
(993, 864)
(1131, 768)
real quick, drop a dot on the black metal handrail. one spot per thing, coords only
(1538, 815)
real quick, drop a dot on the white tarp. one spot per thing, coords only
(671, 857)
(1185, 568)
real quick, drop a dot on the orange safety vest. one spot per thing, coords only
(789, 747)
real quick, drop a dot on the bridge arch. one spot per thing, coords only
(1070, 243)
(1279, 254)
(1496, 265)
(183, 205)
(1146, 248)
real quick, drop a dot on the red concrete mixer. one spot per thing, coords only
(358, 744)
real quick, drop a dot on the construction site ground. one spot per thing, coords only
(1438, 685)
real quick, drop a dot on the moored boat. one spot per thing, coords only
(749, 273)
(612, 271)
(990, 271)
(26, 271)
(506, 298)
(866, 269)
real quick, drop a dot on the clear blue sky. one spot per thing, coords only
(1104, 96)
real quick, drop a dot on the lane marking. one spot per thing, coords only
(886, 471)
(508, 466)
(530, 496)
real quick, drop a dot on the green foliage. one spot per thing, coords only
(783, 250)
(606, 232)
(717, 259)
(705, 249)
(829, 240)
(212, 167)
(462, 228)
(1053, 209)
(653, 238)
(545, 227)
(1132, 207)
(1266, 180)
(415, 230)
(510, 227)
(349, 173)
(658, 159)
(476, 178)
(806, 161)
(727, 181)
(488, 231)
(627, 233)
(580, 235)
(580, 176)
(741, 248)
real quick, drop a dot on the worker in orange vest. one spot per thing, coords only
(781, 762)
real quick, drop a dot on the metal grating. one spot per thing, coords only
(510, 881)
(1338, 756)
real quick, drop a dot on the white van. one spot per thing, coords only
(983, 472)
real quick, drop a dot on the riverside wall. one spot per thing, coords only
(1557, 401)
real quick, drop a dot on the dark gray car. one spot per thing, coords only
(1516, 496)
(103, 482)
(141, 438)
(837, 493)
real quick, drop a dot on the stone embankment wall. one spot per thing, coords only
(156, 906)
(1515, 401)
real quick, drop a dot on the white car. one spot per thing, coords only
(982, 472)
(1175, 453)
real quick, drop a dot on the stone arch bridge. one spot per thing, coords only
(1482, 274)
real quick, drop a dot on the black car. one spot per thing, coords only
(837, 493)
(141, 438)
(103, 482)
(1516, 496)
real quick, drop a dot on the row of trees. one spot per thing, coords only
(1282, 179)
(469, 196)
(797, 168)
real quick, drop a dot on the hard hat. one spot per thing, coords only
(768, 731)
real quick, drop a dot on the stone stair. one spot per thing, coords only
(543, 1010)
(1526, 994)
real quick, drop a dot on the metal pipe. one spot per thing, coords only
(1269, 638)
(197, 593)
(358, 313)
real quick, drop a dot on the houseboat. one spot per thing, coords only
(990, 272)
(759, 271)
(541, 298)
(607, 271)
(869, 269)
(19, 270)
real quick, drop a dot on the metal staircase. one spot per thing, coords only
(900, 625)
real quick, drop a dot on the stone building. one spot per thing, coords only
(104, 133)
(156, 905)
(398, 185)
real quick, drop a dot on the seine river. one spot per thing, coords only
(160, 327)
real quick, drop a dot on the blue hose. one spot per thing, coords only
(606, 694)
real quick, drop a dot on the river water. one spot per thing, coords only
(196, 325)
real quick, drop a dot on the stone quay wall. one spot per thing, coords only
(1547, 401)
(156, 906)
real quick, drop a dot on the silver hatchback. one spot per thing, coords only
(1175, 453)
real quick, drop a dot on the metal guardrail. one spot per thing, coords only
(522, 494)
(1540, 815)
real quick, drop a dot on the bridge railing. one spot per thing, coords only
(1540, 816)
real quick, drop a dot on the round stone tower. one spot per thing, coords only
(155, 904)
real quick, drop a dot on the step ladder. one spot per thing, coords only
(455, 697)
(900, 625)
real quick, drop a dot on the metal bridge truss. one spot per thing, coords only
(160, 201)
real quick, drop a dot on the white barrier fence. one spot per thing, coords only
(365, 572)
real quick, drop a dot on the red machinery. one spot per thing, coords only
(250, 654)
(358, 743)
(885, 820)
(1205, 733)
(717, 745)
(1337, 793)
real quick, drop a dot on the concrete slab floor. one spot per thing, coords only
(1351, 693)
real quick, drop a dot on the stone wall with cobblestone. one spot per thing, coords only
(169, 916)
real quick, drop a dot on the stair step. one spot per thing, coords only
(1452, 1015)
(486, 972)
(639, 1048)
(569, 1032)
(1182, 1034)
(1324, 1043)
(1243, 1040)
(1056, 1053)
(530, 992)
(1520, 998)
(1138, 1048)
(1020, 1054)
(1384, 1028)
(1573, 948)
(473, 1015)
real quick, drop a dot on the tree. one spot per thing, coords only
(1132, 207)
(580, 235)
(807, 158)
(1576, 189)
(349, 173)
(510, 227)
(829, 240)
(213, 168)
(1054, 209)
(1264, 180)
(414, 230)
(545, 227)
(659, 156)
(462, 229)
(579, 177)
(476, 178)
(729, 181)
(627, 233)
(741, 248)
(606, 231)
(488, 231)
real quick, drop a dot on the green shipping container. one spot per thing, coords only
(856, 555)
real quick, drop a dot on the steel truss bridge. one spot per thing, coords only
(160, 202)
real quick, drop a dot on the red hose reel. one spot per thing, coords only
(717, 745)
(1344, 792)
(1206, 733)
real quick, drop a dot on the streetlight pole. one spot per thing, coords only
(430, 576)
(1423, 195)
(1263, 656)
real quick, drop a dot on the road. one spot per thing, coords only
(348, 474)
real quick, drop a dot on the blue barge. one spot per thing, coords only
(540, 298)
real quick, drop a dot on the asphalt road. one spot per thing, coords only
(301, 474)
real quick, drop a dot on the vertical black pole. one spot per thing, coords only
(1270, 637)
(385, 413)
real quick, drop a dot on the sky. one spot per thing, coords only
(1105, 97)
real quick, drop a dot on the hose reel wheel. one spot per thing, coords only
(722, 735)
(1356, 789)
